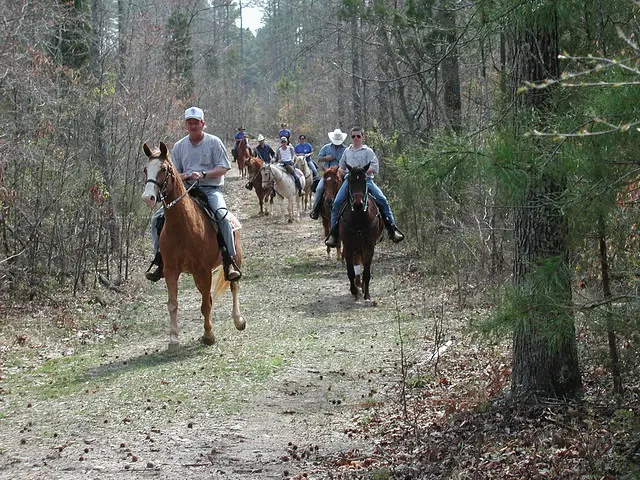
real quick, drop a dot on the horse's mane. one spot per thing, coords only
(331, 170)
(254, 164)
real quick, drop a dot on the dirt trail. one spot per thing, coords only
(269, 402)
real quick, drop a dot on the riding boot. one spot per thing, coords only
(232, 272)
(332, 240)
(157, 273)
(249, 186)
(395, 235)
(315, 213)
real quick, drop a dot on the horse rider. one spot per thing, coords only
(329, 156)
(265, 152)
(305, 148)
(286, 156)
(284, 132)
(201, 157)
(359, 155)
(238, 137)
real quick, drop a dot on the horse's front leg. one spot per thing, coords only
(171, 279)
(203, 283)
(352, 278)
(366, 277)
(238, 321)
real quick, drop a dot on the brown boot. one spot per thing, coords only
(157, 273)
(231, 271)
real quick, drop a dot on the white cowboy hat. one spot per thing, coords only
(260, 137)
(337, 136)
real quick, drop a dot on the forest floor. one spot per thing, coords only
(318, 385)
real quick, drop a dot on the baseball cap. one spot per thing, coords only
(283, 139)
(194, 112)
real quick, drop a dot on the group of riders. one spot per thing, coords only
(200, 150)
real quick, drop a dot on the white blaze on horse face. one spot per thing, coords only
(151, 190)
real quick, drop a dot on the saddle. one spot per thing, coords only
(201, 199)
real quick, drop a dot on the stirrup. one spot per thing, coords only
(315, 215)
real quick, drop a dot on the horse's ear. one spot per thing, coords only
(163, 150)
(366, 167)
(348, 167)
(147, 150)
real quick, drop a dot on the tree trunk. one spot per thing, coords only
(545, 359)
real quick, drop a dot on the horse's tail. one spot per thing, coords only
(220, 285)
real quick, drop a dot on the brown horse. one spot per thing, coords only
(360, 228)
(332, 182)
(254, 166)
(188, 243)
(243, 154)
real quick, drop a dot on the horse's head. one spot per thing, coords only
(159, 174)
(267, 176)
(254, 165)
(332, 182)
(358, 186)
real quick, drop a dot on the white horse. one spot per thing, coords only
(302, 165)
(284, 186)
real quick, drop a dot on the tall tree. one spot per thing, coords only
(545, 359)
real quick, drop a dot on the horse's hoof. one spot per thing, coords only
(173, 346)
(290, 220)
(240, 323)
(208, 340)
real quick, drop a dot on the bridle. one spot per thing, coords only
(365, 195)
(162, 187)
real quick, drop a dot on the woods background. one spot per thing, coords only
(507, 132)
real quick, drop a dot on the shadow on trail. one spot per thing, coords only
(130, 365)
(336, 302)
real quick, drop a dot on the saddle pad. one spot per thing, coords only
(235, 223)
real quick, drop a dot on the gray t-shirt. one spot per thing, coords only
(209, 153)
(359, 158)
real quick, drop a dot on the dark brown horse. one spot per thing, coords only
(243, 155)
(332, 182)
(360, 227)
(188, 243)
(254, 166)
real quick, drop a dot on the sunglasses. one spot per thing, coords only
(356, 136)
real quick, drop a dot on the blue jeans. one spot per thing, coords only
(312, 165)
(318, 195)
(219, 207)
(376, 193)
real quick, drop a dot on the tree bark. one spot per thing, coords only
(545, 359)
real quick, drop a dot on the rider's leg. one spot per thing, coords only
(228, 248)
(387, 215)
(312, 166)
(317, 200)
(341, 196)
(291, 170)
(157, 221)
